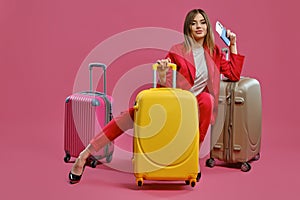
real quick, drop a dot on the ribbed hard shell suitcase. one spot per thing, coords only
(85, 114)
(236, 134)
(166, 135)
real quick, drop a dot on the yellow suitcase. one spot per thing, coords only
(166, 135)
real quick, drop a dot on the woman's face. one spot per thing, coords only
(198, 28)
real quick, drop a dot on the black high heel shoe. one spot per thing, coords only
(73, 178)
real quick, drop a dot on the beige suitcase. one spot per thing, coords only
(236, 135)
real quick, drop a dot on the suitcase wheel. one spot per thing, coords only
(198, 177)
(245, 167)
(67, 157)
(139, 182)
(257, 157)
(210, 162)
(193, 182)
(94, 163)
(109, 158)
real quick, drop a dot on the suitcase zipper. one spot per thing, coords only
(228, 139)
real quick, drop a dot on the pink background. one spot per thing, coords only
(42, 46)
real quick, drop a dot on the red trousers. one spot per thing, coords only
(124, 121)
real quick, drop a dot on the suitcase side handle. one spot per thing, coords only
(103, 66)
(171, 65)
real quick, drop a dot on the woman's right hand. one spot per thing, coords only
(162, 69)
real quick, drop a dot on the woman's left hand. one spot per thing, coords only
(232, 38)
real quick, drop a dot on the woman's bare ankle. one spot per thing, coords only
(84, 155)
(81, 160)
(86, 152)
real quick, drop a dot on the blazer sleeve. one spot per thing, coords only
(232, 68)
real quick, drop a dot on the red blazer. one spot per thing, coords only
(216, 64)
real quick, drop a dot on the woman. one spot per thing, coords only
(199, 64)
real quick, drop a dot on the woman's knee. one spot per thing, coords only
(205, 101)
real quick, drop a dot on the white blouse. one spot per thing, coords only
(201, 75)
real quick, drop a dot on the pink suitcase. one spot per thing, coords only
(85, 114)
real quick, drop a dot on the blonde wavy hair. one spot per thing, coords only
(209, 40)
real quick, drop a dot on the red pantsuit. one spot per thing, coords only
(216, 64)
(124, 121)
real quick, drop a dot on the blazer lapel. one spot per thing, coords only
(190, 63)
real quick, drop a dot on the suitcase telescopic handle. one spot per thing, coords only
(103, 66)
(225, 50)
(174, 68)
